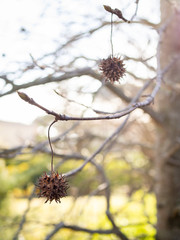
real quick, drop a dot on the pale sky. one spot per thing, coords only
(39, 18)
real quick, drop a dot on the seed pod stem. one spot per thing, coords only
(49, 140)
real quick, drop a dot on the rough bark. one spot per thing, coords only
(167, 164)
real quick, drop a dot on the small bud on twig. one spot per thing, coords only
(115, 11)
(108, 8)
(24, 96)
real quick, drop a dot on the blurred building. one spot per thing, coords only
(16, 134)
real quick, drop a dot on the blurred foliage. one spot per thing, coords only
(132, 204)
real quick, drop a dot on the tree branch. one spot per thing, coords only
(23, 219)
(62, 225)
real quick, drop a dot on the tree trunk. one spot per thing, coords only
(167, 164)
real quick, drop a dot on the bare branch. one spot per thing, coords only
(135, 13)
(62, 225)
(115, 228)
(23, 220)
(74, 171)
(60, 117)
(11, 153)
(50, 79)
(159, 77)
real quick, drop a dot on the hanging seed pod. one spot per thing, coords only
(112, 69)
(52, 187)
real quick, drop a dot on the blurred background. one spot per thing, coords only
(51, 51)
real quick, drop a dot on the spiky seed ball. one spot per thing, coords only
(112, 69)
(52, 187)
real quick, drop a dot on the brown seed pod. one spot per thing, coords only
(112, 69)
(52, 187)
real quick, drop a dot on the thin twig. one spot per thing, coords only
(117, 231)
(159, 77)
(62, 117)
(135, 13)
(41, 145)
(117, 131)
(62, 225)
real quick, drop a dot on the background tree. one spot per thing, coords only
(167, 153)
